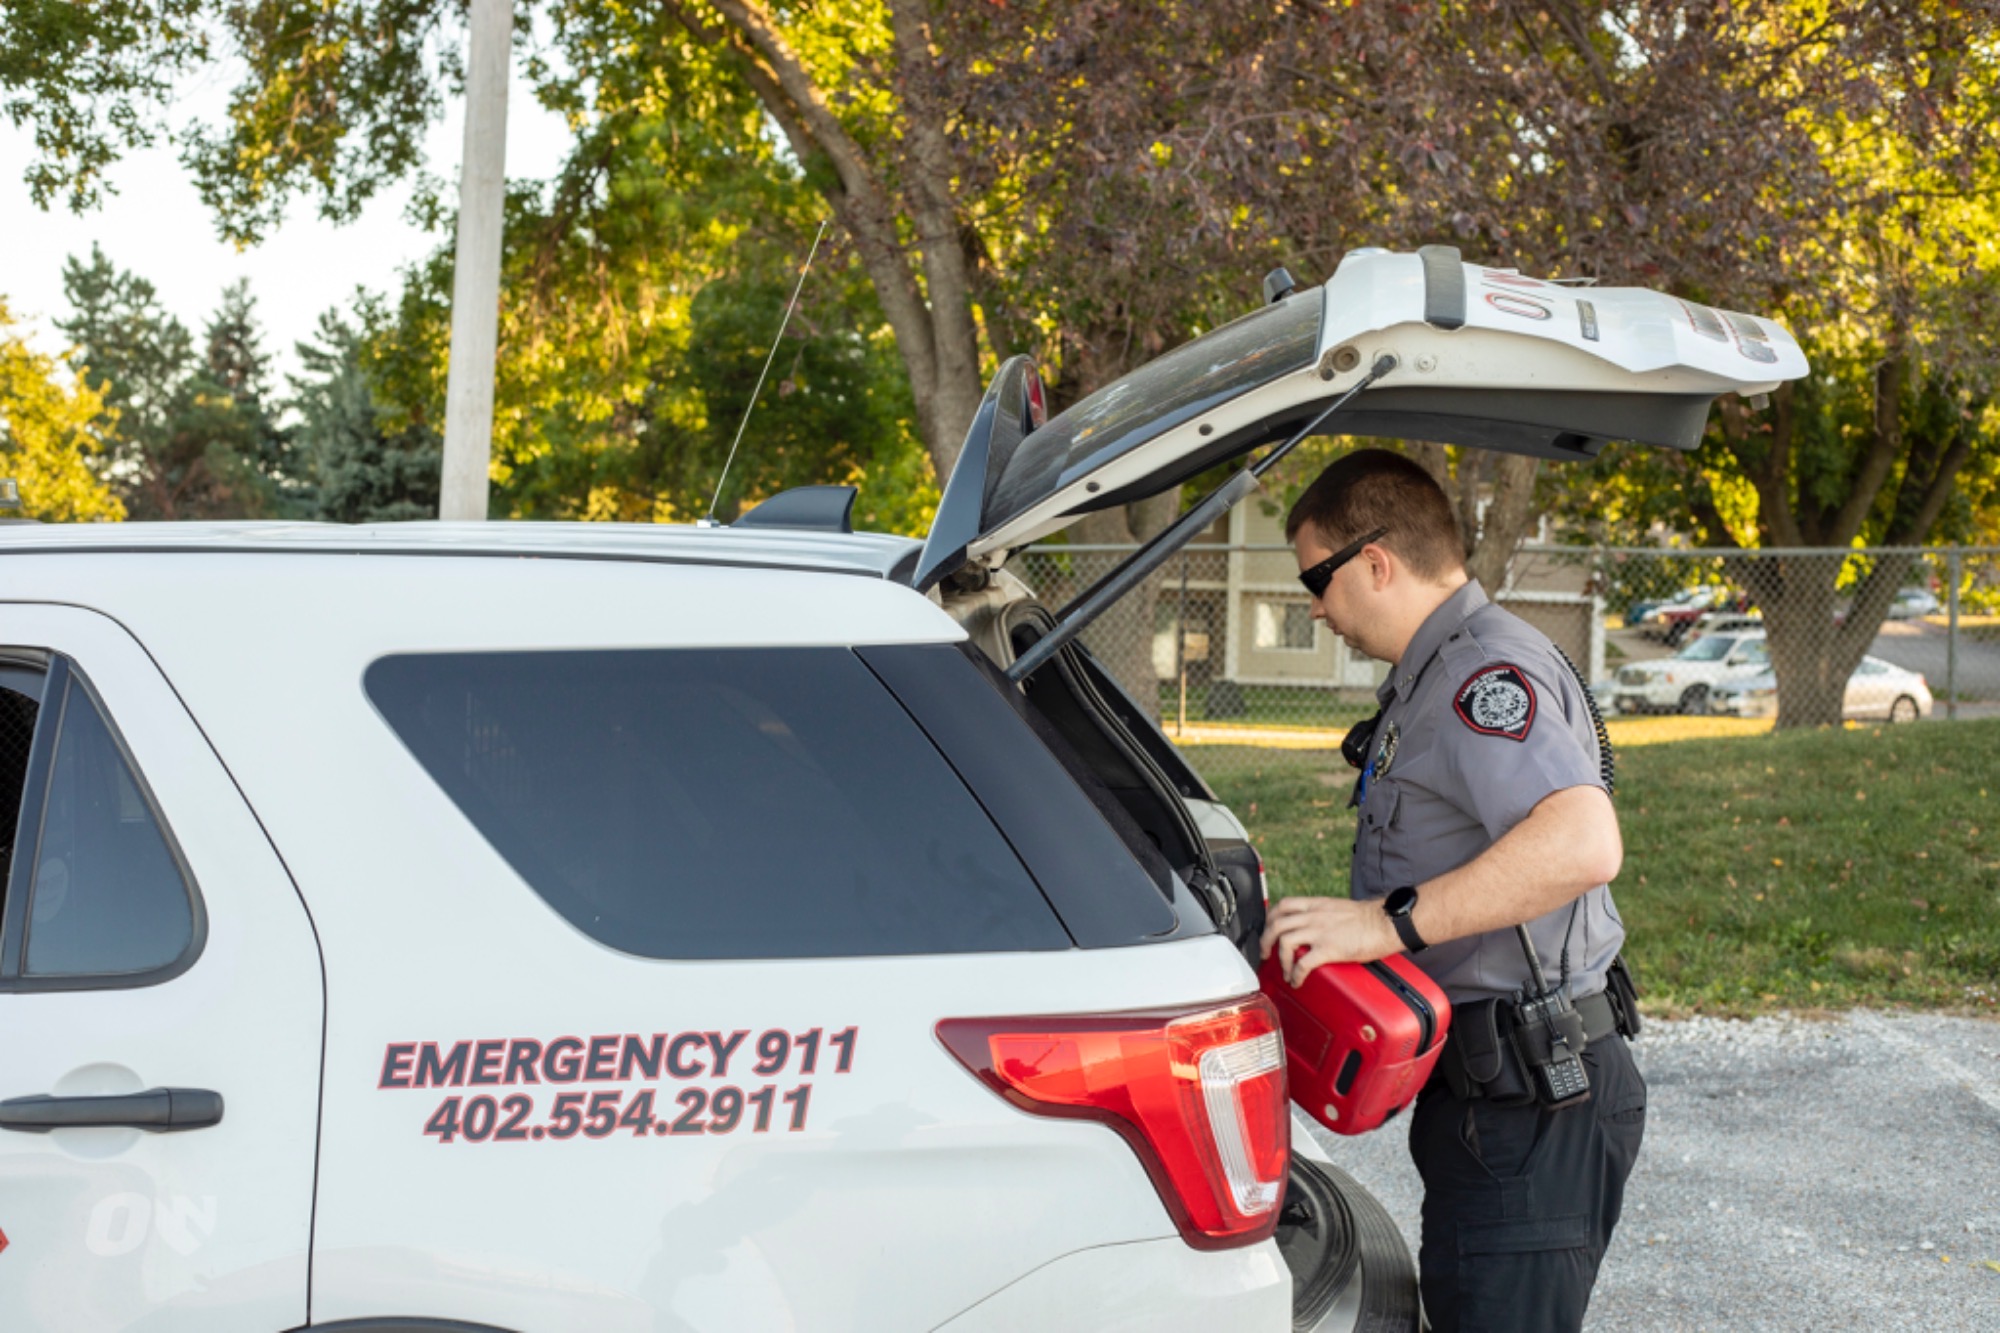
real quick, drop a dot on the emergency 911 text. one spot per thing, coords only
(693, 1109)
(618, 1057)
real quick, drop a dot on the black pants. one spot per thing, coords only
(1520, 1202)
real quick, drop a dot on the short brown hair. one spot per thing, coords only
(1374, 488)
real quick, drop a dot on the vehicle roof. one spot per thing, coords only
(192, 592)
(870, 554)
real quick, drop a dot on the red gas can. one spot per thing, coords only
(1360, 1038)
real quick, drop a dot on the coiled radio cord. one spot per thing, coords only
(1607, 760)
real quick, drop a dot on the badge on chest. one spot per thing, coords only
(1385, 754)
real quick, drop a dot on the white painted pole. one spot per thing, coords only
(475, 296)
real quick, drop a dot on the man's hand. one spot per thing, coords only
(1329, 930)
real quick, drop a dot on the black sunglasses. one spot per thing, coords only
(1321, 574)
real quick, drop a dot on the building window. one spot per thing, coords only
(1282, 625)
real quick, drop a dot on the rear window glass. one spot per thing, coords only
(716, 803)
(1194, 378)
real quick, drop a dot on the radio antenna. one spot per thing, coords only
(751, 406)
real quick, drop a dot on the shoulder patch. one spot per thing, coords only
(1497, 701)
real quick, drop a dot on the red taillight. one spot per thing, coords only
(1199, 1094)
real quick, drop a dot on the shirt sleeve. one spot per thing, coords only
(1514, 739)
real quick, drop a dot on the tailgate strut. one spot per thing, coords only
(1094, 601)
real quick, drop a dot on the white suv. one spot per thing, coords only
(550, 927)
(578, 928)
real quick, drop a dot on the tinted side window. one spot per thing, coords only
(716, 803)
(1109, 882)
(107, 893)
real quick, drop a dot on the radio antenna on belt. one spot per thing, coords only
(751, 406)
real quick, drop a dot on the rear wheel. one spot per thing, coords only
(1334, 1235)
(1903, 710)
(1694, 699)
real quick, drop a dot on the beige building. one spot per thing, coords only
(1250, 622)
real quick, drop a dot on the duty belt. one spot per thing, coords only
(1600, 1019)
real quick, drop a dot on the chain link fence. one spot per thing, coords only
(1675, 642)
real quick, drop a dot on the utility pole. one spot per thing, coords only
(475, 293)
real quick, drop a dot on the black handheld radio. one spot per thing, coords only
(1549, 1036)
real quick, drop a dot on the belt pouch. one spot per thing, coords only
(1486, 1064)
(1623, 993)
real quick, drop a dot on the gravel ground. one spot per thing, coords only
(1796, 1174)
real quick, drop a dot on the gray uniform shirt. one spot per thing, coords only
(1481, 720)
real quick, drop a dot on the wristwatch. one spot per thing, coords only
(1399, 904)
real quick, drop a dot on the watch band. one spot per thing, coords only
(1400, 914)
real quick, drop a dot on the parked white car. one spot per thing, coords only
(548, 927)
(1910, 603)
(1877, 689)
(1684, 682)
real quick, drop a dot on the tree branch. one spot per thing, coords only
(1771, 479)
(1924, 514)
(1884, 444)
(863, 203)
(930, 173)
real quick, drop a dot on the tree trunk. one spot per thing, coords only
(1490, 542)
(936, 335)
(944, 414)
(1509, 516)
(1797, 597)
(1812, 656)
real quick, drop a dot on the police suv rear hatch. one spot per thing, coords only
(1476, 356)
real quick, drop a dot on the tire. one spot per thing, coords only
(1904, 709)
(1377, 1257)
(1694, 700)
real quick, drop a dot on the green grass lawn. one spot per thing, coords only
(1805, 870)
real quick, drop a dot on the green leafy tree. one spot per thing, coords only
(91, 81)
(50, 434)
(336, 98)
(133, 352)
(363, 461)
(224, 411)
(642, 290)
(1095, 180)
(192, 438)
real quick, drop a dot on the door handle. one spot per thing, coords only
(156, 1110)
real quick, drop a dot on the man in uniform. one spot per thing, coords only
(1482, 806)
